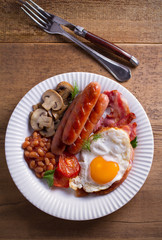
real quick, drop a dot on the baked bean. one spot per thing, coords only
(45, 149)
(25, 144)
(40, 163)
(26, 153)
(41, 152)
(33, 155)
(35, 134)
(41, 144)
(40, 159)
(32, 164)
(50, 166)
(35, 143)
(38, 169)
(49, 155)
(37, 154)
(47, 161)
(29, 148)
(48, 145)
(53, 161)
(32, 145)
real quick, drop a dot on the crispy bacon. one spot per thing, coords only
(119, 110)
(130, 129)
(119, 115)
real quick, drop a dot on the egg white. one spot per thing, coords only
(114, 145)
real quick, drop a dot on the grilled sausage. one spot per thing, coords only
(94, 117)
(80, 113)
(57, 146)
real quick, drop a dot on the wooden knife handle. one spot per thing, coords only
(110, 46)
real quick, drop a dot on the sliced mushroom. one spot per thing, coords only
(36, 106)
(45, 122)
(50, 112)
(65, 90)
(52, 100)
(39, 119)
(48, 132)
(58, 114)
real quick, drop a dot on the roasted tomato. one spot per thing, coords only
(68, 165)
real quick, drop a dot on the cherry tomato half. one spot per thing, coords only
(68, 165)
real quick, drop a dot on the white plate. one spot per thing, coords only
(62, 203)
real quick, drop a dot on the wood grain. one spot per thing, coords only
(115, 20)
(28, 56)
(25, 65)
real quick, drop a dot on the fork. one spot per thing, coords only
(46, 22)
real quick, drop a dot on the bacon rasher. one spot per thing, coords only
(119, 114)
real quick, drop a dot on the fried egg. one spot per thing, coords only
(105, 162)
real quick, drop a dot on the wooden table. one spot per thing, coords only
(28, 56)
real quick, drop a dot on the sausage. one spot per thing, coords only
(57, 146)
(94, 117)
(80, 113)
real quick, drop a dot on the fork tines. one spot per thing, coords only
(32, 9)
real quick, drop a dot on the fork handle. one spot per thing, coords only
(108, 45)
(119, 71)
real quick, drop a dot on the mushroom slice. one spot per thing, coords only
(65, 90)
(39, 119)
(50, 113)
(58, 114)
(52, 100)
(48, 132)
(36, 106)
(45, 122)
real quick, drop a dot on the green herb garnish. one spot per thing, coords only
(96, 136)
(134, 142)
(49, 176)
(87, 143)
(75, 91)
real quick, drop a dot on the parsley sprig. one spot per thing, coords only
(87, 143)
(75, 91)
(49, 177)
(134, 142)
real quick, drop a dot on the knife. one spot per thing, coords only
(80, 31)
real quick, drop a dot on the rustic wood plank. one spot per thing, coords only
(115, 20)
(25, 65)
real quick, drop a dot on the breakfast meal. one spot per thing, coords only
(83, 140)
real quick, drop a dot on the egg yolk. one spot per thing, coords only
(103, 171)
